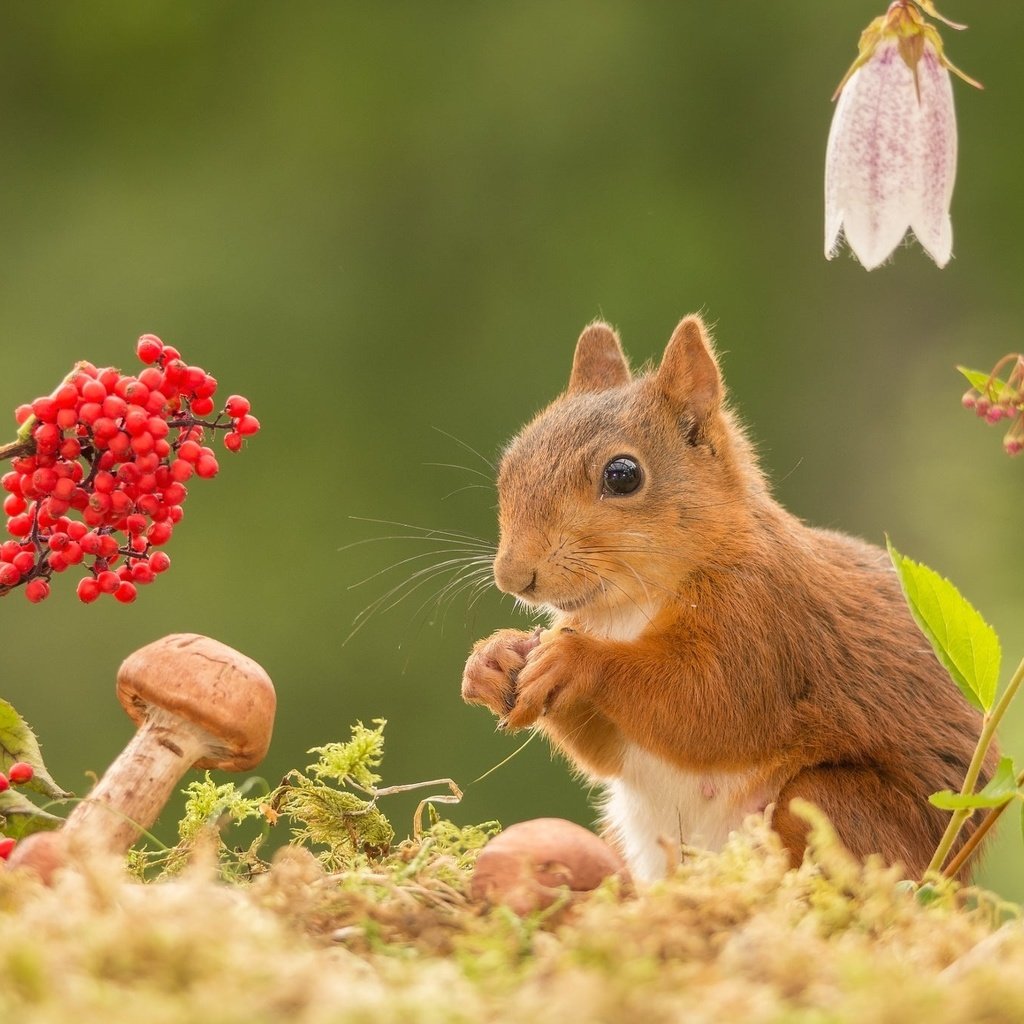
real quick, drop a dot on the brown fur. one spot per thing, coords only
(764, 645)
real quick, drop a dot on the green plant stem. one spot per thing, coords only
(972, 844)
(988, 732)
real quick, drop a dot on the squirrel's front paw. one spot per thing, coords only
(493, 666)
(554, 674)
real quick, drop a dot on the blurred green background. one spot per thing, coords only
(386, 224)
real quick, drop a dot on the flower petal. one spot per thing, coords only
(936, 158)
(879, 148)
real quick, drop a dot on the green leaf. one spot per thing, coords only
(963, 641)
(23, 817)
(986, 384)
(18, 743)
(1000, 788)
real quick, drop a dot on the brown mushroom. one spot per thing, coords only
(197, 702)
(531, 864)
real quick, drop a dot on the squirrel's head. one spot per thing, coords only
(624, 485)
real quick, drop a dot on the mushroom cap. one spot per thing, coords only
(209, 684)
(43, 853)
(525, 866)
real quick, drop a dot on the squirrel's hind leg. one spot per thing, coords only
(869, 813)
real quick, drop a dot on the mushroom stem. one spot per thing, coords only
(135, 788)
(197, 703)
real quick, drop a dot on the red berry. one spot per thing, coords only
(107, 581)
(66, 418)
(93, 391)
(126, 592)
(9, 575)
(247, 425)
(14, 504)
(55, 508)
(142, 444)
(142, 572)
(202, 406)
(149, 348)
(70, 448)
(47, 437)
(181, 470)
(37, 590)
(206, 466)
(159, 533)
(189, 451)
(22, 413)
(19, 526)
(233, 441)
(20, 772)
(114, 406)
(175, 493)
(175, 371)
(24, 561)
(88, 590)
(156, 402)
(160, 561)
(152, 377)
(136, 392)
(45, 410)
(4, 784)
(64, 488)
(119, 443)
(59, 541)
(66, 396)
(236, 406)
(7, 844)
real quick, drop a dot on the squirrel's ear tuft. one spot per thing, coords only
(599, 362)
(689, 374)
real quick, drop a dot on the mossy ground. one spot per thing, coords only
(730, 937)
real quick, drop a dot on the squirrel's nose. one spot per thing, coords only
(514, 576)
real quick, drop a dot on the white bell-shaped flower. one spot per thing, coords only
(891, 157)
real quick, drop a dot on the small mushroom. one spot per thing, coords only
(198, 703)
(529, 865)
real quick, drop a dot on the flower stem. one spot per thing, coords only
(988, 731)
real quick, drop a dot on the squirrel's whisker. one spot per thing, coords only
(427, 531)
(469, 448)
(489, 477)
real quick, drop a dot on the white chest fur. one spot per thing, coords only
(652, 807)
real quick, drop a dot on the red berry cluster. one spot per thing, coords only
(1000, 400)
(99, 479)
(18, 774)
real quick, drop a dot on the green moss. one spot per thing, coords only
(346, 925)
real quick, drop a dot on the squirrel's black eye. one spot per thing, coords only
(622, 475)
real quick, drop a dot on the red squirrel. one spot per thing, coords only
(709, 655)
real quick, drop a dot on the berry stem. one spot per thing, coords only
(16, 449)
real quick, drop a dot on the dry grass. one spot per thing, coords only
(731, 937)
